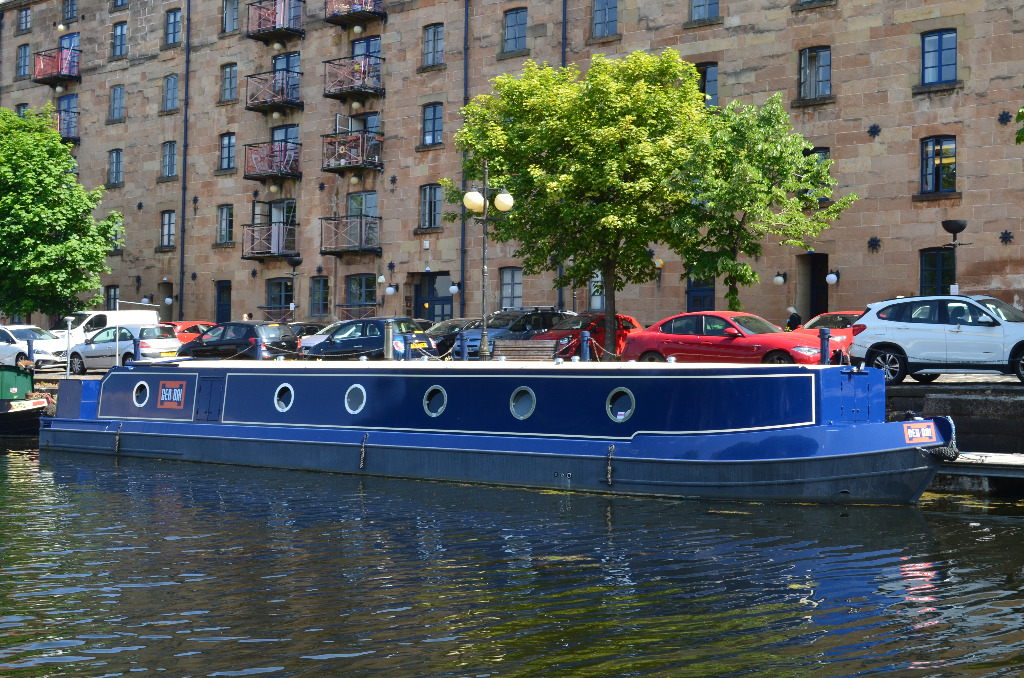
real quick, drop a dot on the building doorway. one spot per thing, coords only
(223, 299)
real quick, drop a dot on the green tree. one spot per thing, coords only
(51, 248)
(590, 162)
(753, 179)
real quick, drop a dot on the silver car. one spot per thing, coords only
(44, 344)
(102, 349)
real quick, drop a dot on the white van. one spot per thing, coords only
(84, 323)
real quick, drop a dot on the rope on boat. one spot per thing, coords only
(362, 451)
(946, 452)
(117, 439)
(608, 468)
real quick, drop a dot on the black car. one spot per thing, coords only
(356, 338)
(302, 329)
(243, 340)
(446, 333)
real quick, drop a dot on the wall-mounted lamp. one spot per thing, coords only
(357, 29)
(454, 288)
(274, 188)
(277, 47)
(168, 301)
(832, 278)
(356, 105)
(61, 26)
(780, 278)
(276, 115)
(391, 289)
(165, 279)
(58, 89)
(145, 300)
(354, 179)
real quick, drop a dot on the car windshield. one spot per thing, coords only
(450, 325)
(163, 332)
(577, 322)
(503, 319)
(330, 328)
(275, 331)
(76, 320)
(753, 324)
(406, 327)
(1002, 310)
(832, 321)
(33, 333)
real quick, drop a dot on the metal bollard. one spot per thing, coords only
(585, 346)
(407, 355)
(463, 346)
(824, 334)
(389, 337)
(31, 350)
(136, 347)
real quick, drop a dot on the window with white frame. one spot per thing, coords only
(227, 151)
(703, 9)
(433, 124)
(511, 286)
(938, 164)
(225, 223)
(514, 38)
(606, 18)
(430, 206)
(116, 103)
(229, 21)
(433, 45)
(169, 159)
(115, 168)
(815, 72)
(167, 220)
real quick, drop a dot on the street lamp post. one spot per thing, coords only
(475, 202)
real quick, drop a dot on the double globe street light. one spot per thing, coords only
(477, 202)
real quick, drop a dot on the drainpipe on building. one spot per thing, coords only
(465, 101)
(184, 160)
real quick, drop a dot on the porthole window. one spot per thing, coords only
(435, 400)
(620, 405)
(523, 402)
(284, 397)
(141, 394)
(355, 399)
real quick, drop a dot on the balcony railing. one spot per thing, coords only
(353, 75)
(272, 159)
(273, 91)
(347, 150)
(279, 313)
(358, 311)
(275, 19)
(358, 233)
(269, 239)
(344, 12)
(67, 123)
(54, 66)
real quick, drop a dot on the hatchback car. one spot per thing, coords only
(187, 330)
(930, 335)
(117, 345)
(243, 340)
(511, 323)
(44, 344)
(446, 333)
(354, 339)
(722, 337)
(567, 333)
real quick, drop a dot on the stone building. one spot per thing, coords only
(287, 153)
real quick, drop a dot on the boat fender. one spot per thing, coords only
(362, 451)
(608, 468)
(946, 452)
(117, 439)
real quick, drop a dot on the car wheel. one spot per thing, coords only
(652, 357)
(77, 364)
(778, 358)
(127, 359)
(892, 363)
(1017, 361)
(924, 378)
(21, 357)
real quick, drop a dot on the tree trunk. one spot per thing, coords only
(611, 325)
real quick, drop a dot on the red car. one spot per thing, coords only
(839, 323)
(721, 337)
(187, 330)
(567, 332)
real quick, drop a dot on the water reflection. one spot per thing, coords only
(114, 566)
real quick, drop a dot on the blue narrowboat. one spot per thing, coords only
(736, 432)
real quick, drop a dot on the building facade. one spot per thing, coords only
(283, 157)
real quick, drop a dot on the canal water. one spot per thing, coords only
(126, 567)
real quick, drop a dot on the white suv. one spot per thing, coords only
(928, 336)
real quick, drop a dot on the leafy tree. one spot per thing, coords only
(752, 179)
(51, 248)
(590, 162)
(1020, 132)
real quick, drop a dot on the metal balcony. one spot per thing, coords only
(273, 91)
(359, 233)
(345, 12)
(58, 65)
(269, 239)
(275, 20)
(272, 159)
(358, 76)
(67, 123)
(357, 311)
(352, 150)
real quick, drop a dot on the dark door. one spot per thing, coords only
(433, 299)
(700, 295)
(223, 301)
(818, 297)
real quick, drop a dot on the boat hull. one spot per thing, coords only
(815, 435)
